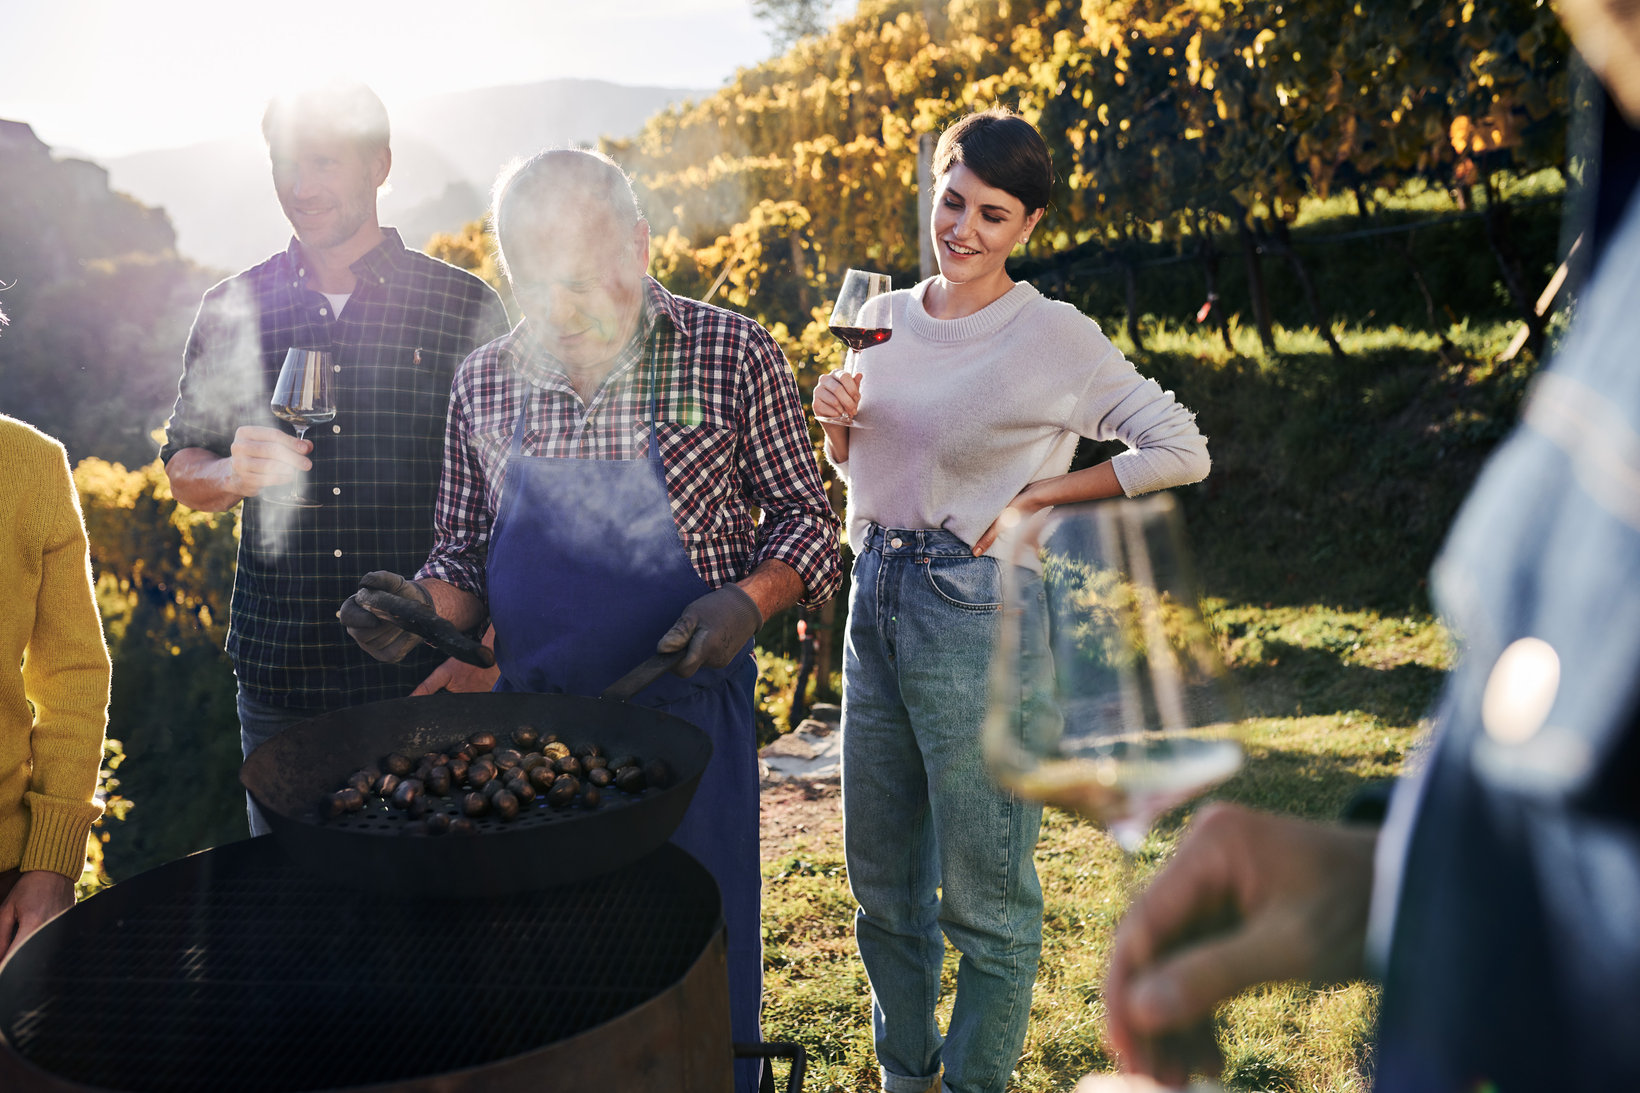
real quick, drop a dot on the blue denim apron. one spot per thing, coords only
(585, 573)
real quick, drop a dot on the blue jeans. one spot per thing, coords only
(932, 844)
(259, 722)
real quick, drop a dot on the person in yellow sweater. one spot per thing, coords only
(54, 677)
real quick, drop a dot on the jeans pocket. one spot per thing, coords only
(973, 584)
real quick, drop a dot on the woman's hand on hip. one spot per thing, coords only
(1024, 505)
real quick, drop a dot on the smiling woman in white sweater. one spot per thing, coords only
(974, 408)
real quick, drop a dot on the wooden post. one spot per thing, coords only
(926, 265)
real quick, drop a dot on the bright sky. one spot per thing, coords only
(107, 77)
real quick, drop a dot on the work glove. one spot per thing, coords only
(380, 637)
(712, 630)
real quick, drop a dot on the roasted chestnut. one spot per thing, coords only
(438, 823)
(593, 762)
(482, 741)
(439, 781)
(543, 776)
(464, 752)
(591, 797)
(522, 790)
(532, 760)
(479, 774)
(352, 800)
(506, 758)
(491, 788)
(388, 784)
(631, 780)
(474, 804)
(408, 792)
(554, 750)
(333, 805)
(398, 764)
(505, 805)
(563, 791)
(586, 748)
(623, 761)
(525, 738)
(657, 773)
(363, 780)
(461, 825)
(569, 764)
(458, 769)
(417, 807)
(600, 776)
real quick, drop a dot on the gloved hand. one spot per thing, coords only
(712, 630)
(376, 634)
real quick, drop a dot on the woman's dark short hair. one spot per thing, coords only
(1004, 150)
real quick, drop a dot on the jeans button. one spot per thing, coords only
(896, 542)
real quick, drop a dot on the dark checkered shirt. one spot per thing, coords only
(408, 324)
(729, 424)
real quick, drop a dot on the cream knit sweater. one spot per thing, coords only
(52, 656)
(962, 414)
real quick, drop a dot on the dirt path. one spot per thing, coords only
(796, 811)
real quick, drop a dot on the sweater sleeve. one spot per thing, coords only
(1164, 446)
(66, 677)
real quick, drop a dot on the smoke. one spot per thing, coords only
(227, 387)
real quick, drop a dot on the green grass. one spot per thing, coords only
(1336, 697)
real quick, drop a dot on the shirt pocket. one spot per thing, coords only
(971, 584)
(701, 476)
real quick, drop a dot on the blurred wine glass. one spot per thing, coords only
(858, 326)
(1108, 695)
(304, 396)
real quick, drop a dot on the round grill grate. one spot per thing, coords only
(235, 969)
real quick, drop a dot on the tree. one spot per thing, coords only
(786, 21)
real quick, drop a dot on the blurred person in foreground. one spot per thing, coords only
(1500, 901)
(928, 487)
(602, 467)
(398, 323)
(54, 679)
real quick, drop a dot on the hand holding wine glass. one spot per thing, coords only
(859, 327)
(304, 396)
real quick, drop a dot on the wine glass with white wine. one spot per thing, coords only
(305, 396)
(1123, 709)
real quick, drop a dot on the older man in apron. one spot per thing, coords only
(606, 466)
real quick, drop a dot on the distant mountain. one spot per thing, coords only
(446, 152)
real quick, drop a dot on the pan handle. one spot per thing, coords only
(642, 676)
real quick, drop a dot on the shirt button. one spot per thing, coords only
(338, 554)
(337, 490)
(335, 368)
(335, 428)
(322, 311)
(896, 542)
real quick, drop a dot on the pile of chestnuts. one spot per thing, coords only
(449, 791)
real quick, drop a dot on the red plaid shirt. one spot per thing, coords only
(728, 421)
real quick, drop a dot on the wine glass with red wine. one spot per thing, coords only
(858, 323)
(304, 395)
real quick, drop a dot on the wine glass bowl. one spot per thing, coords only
(305, 396)
(858, 323)
(1122, 709)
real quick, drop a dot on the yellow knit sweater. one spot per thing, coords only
(52, 658)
